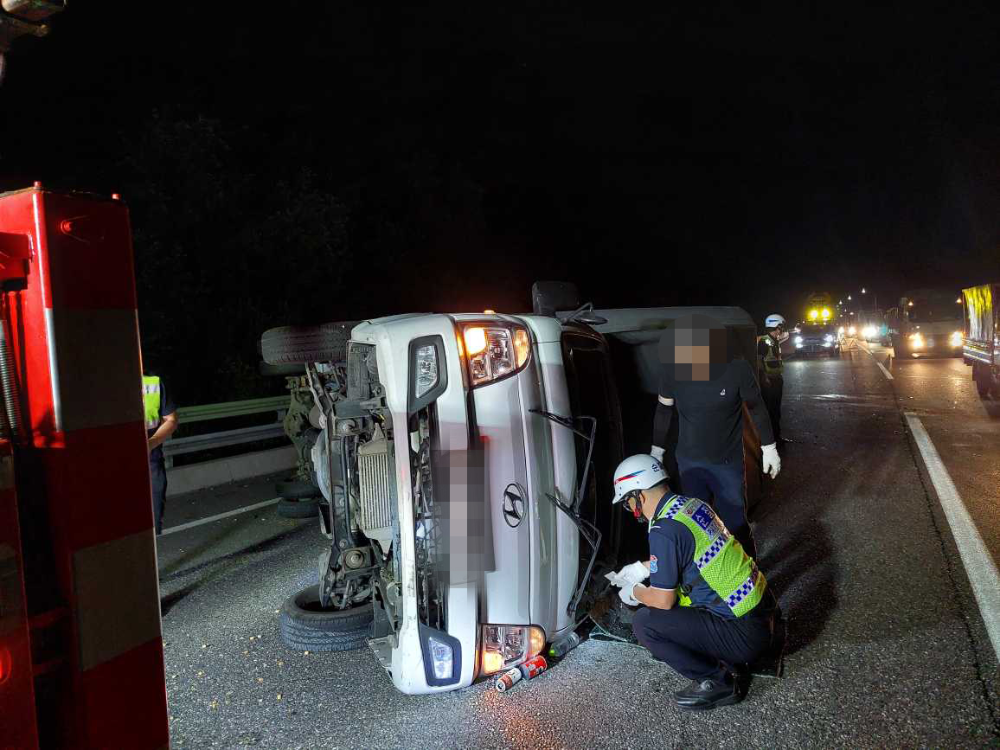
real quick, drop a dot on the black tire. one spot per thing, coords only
(297, 508)
(305, 344)
(296, 490)
(306, 627)
(981, 377)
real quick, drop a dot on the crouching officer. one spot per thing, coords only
(773, 369)
(708, 612)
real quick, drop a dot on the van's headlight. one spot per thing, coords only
(506, 646)
(798, 341)
(916, 340)
(426, 368)
(956, 338)
(828, 338)
(442, 658)
(493, 351)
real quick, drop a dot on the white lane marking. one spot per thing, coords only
(978, 562)
(888, 375)
(227, 514)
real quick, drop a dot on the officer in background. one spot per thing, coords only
(708, 610)
(772, 382)
(161, 421)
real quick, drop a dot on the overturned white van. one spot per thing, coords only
(465, 463)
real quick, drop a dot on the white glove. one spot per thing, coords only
(616, 579)
(771, 463)
(636, 573)
(657, 453)
(626, 594)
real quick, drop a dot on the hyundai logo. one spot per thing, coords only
(513, 505)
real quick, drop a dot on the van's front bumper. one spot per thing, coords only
(415, 642)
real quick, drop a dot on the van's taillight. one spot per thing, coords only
(494, 350)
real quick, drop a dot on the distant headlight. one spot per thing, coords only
(841, 329)
(828, 338)
(798, 340)
(956, 338)
(916, 340)
(852, 331)
(869, 332)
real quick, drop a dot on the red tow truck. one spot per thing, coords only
(81, 655)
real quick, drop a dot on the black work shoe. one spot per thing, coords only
(701, 695)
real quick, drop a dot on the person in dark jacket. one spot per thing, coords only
(708, 390)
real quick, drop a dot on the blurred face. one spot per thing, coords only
(696, 347)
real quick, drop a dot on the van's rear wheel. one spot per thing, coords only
(305, 344)
(306, 626)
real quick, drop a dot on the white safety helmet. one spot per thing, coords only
(639, 472)
(773, 321)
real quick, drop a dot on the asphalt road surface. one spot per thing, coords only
(887, 643)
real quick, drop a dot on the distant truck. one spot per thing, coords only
(927, 322)
(820, 308)
(981, 349)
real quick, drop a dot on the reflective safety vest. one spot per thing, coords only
(719, 558)
(151, 400)
(773, 364)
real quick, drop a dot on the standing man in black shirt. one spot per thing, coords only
(708, 391)
(161, 421)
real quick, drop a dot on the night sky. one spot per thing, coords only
(334, 161)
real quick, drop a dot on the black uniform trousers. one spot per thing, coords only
(721, 485)
(702, 645)
(771, 394)
(158, 482)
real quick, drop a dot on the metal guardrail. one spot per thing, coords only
(223, 438)
(187, 414)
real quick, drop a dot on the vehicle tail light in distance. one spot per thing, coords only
(506, 646)
(494, 351)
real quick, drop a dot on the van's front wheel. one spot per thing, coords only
(306, 626)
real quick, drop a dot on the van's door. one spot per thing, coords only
(593, 393)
